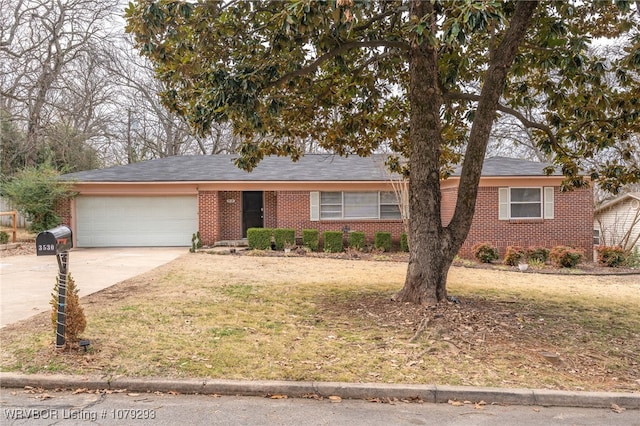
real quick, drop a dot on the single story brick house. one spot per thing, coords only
(617, 222)
(163, 202)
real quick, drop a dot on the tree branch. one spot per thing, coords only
(374, 19)
(501, 60)
(502, 108)
(313, 66)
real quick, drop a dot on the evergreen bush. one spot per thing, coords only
(356, 240)
(284, 238)
(332, 241)
(36, 191)
(515, 255)
(612, 256)
(75, 321)
(538, 254)
(382, 240)
(310, 239)
(259, 238)
(404, 242)
(565, 257)
(485, 252)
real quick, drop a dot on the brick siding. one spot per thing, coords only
(271, 209)
(572, 224)
(294, 212)
(220, 218)
(208, 224)
(63, 210)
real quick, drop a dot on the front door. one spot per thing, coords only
(252, 211)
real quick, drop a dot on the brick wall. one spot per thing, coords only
(270, 209)
(293, 211)
(63, 210)
(572, 224)
(208, 223)
(230, 215)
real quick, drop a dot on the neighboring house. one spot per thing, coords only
(617, 222)
(164, 201)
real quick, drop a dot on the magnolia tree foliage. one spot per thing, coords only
(424, 80)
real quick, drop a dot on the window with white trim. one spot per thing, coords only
(526, 203)
(354, 205)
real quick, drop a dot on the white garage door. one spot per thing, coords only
(136, 221)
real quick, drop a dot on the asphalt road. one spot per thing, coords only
(33, 407)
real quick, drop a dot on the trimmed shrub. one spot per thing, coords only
(4, 237)
(284, 238)
(75, 321)
(310, 239)
(404, 242)
(332, 241)
(565, 257)
(259, 238)
(356, 240)
(515, 255)
(611, 256)
(485, 252)
(538, 254)
(382, 240)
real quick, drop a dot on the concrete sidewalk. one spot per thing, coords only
(365, 391)
(26, 281)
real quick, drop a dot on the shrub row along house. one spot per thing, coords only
(163, 202)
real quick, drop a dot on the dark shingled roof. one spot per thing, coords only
(311, 167)
(505, 166)
(220, 168)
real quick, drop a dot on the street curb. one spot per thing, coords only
(383, 392)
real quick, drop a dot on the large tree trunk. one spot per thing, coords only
(433, 246)
(430, 251)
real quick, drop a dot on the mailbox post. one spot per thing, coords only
(58, 241)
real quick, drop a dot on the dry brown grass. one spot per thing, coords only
(302, 318)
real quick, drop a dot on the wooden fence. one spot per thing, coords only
(6, 221)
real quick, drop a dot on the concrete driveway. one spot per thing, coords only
(26, 282)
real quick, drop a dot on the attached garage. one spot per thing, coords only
(135, 221)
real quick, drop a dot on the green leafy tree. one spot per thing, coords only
(425, 80)
(36, 191)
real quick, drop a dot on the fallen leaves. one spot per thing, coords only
(277, 396)
(617, 409)
(476, 405)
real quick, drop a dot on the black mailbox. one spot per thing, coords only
(54, 241)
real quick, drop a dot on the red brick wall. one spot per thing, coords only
(208, 225)
(290, 209)
(230, 215)
(572, 224)
(448, 204)
(270, 209)
(293, 211)
(63, 210)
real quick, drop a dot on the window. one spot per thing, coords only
(389, 208)
(360, 205)
(596, 237)
(331, 205)
(354, 205)
(526, 203)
